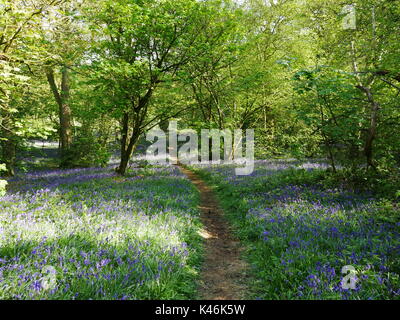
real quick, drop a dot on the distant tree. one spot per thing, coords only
(63, 44)
(144, 44)
(19, 24)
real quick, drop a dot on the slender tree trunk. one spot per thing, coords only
(374, 109)
(65, 117)
(124, 139)
(65, 111)
(331, 157)
(326, 141)
(372, 130)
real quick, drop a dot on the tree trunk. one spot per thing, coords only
(139, 116)
(62, 98)
(127, 145)
(123, 165)
(65, 112)
(371, 132)
(127, 154)
(331, 157)
(124, 139)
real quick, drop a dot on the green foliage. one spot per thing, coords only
(289, 70)
(140, 164)
(87, 151)
(326, 104)
(385, 185)
(3, 183)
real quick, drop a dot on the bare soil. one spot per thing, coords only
(224, 273)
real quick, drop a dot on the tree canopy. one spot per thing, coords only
(314, 78)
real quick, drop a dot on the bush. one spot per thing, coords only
(142, 163)
(87, 151)
(3, 183)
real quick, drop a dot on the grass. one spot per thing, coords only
(88, 234)
(300, 232)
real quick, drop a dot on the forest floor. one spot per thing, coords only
(201, 232)
(223, 274)
(300, 230)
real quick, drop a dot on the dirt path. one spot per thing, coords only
(224, 273)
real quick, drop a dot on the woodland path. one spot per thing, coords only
(224, 273)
